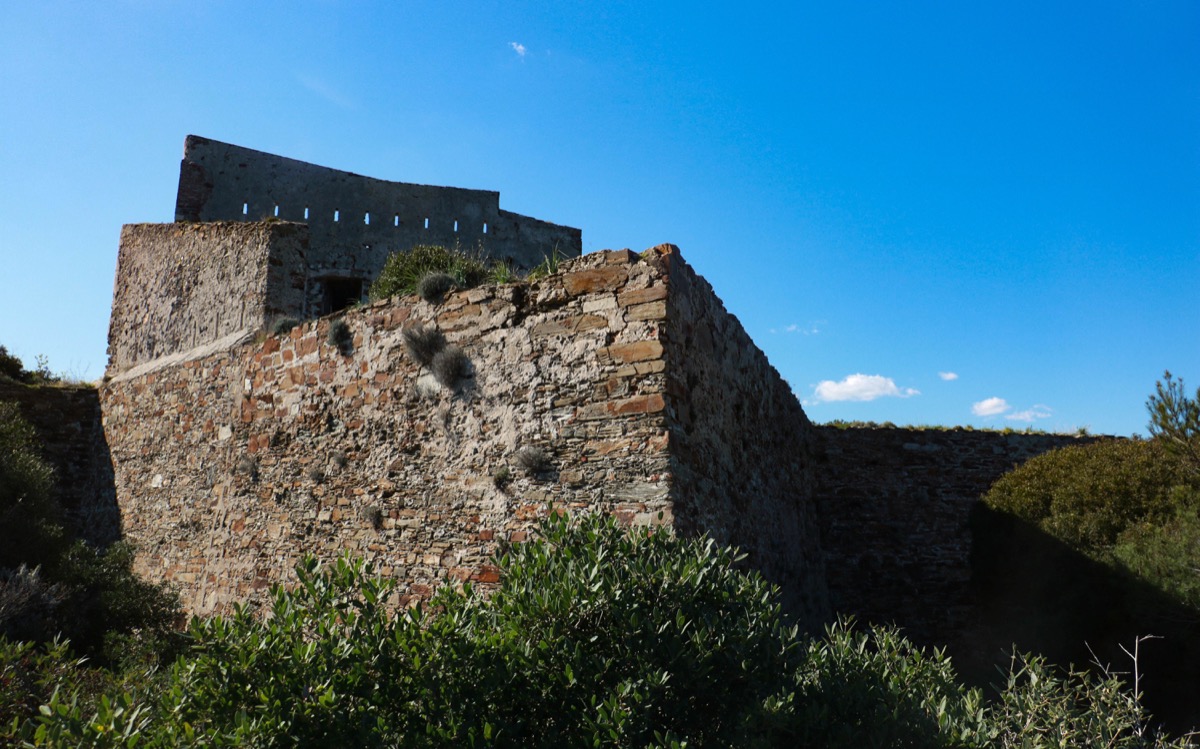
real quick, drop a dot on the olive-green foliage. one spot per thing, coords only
(1088, 495)
(403, 271)
(30, 532)
(595, 637)
(1167, 552)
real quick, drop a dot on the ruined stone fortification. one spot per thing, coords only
(228, 452)
(625, 369)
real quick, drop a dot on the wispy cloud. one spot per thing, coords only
(860, 387)
(948, 376)
(518, 48)
(990, 407)
(1031, 414)
(812, 328)
(325, 91)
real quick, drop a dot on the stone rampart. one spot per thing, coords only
(179, 286)
(893, 506)
(626, 370)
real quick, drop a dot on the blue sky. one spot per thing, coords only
(928, 213)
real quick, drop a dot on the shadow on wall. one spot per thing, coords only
(67, 421)
(1039, 594)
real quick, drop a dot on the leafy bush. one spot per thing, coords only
(403, 271)
(1088, 495)
(595, 636)
(423, 343)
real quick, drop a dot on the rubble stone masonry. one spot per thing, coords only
(651, 400)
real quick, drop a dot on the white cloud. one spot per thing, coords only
(860, 387)
(990, 407)
(813, 328)
(1031, 414)
(518, 48)
(948, 376)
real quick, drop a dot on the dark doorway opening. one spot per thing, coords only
(340, 293)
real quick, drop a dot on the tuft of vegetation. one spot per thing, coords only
(434, 286)
(450, 366)
(423, 344)
(532, 460)
(340, 337)
(548, 266)
(403, 271)
(501, 477)
(283, 325)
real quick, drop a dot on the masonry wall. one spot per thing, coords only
(232, 465)
(68, 425)
(179, 286)
(893, 506)
(741, 446)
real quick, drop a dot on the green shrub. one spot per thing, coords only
(594, 636)
(404, 270)
(1088, 495)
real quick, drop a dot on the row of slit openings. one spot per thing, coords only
(337, 217)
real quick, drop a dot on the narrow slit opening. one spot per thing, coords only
(245, 208)
(336, 215)
(426, 223)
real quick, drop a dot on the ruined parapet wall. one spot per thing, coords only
(71, 440)
(894, 506)
(356, 221)
(179, 286)
(740, 442)
(230, 467)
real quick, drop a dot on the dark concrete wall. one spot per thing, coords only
(223, 182)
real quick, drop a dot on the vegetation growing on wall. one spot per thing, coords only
(596, 637)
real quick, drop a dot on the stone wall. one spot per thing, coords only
(893, 506)
(741, 446)
(179, 286)
(356, 221)
(68, 425)
(229, 466)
